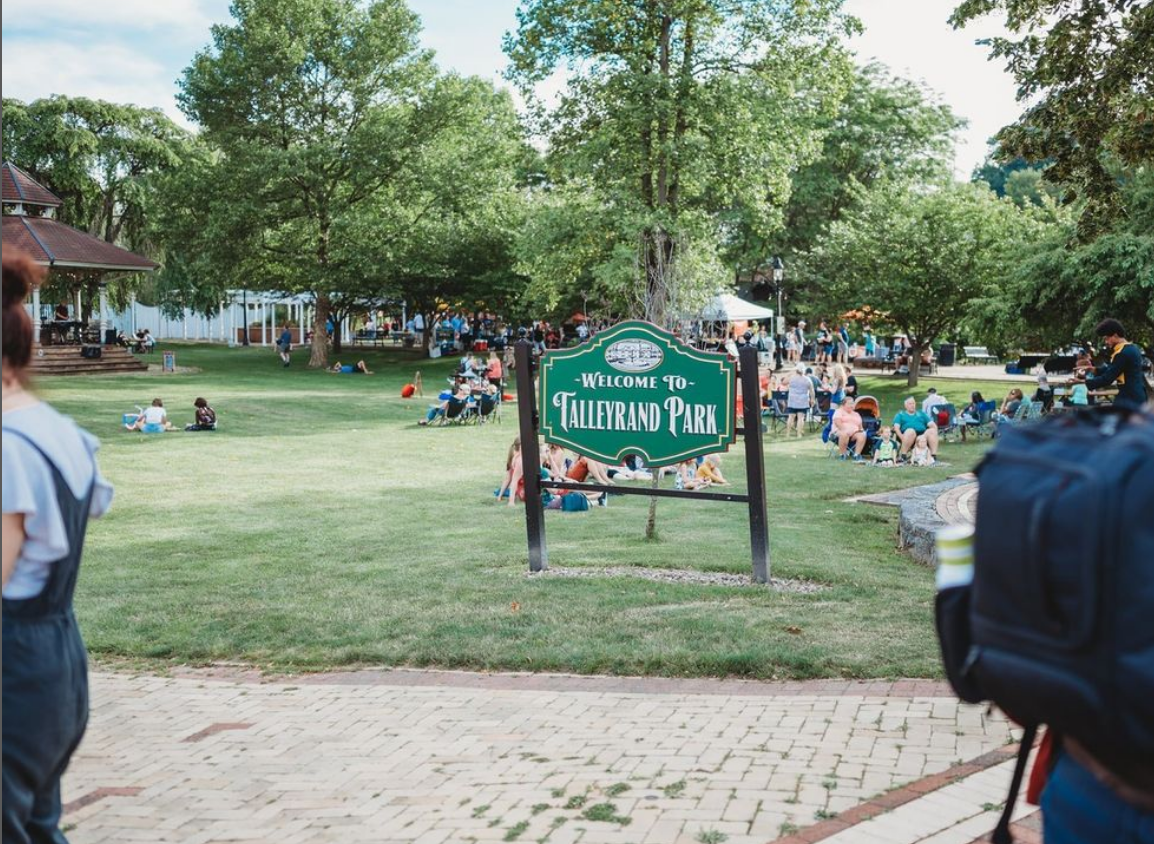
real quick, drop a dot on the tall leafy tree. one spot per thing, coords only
(318, 108)
(1085, 69)
(102, 159)
(105, 161)
(919, 257)
(675, 110)
(885, 127)
(1058, 289)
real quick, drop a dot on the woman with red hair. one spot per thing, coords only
(51, 486)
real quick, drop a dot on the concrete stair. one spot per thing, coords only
(66, 360)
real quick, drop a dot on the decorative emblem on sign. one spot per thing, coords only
(633, 355)
(637, 389)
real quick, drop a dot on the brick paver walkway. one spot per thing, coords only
(433, 757)
(959, 505)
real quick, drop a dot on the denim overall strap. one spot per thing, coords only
(56, 596)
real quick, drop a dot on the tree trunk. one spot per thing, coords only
(651, 520)
(915, 354)
(319, 352)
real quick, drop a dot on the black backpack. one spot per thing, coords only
(1057, 627)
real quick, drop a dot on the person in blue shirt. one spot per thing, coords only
(284, 345)
(1124, 368)
(870, 345)
(910, 423)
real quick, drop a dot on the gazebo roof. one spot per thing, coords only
(21, 188)
(53, 244)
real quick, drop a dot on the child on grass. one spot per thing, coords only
(885, 452)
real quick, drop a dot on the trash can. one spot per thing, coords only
(110, 337)
(947, 354)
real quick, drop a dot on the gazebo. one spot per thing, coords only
(28, 222)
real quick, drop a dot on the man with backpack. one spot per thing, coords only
(1056, 626)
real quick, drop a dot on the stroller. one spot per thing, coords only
(871, 417)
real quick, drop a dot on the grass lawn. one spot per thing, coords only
(322, 527)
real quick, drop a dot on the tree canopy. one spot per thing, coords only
(674, 111)
(328, 119)
(919, 257)
(1085, 72)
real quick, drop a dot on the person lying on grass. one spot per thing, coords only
(357, 368)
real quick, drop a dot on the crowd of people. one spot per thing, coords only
(558, 464)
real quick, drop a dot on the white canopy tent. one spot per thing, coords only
(725, 307)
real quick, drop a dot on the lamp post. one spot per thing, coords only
(244, 331)
(778, 267)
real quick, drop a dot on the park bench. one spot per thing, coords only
(979, 354)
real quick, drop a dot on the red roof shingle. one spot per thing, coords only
(22, 188)
(57, 245)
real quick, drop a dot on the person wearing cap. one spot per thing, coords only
(1124, 367)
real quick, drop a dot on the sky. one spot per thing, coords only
(134, 51)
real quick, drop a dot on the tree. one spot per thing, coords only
(920, 256)
(886, 127)
(1086, 68)
(678, 109)
(1057, 289)
(104, 160)
(319, 108)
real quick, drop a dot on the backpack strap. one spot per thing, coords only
(1002, 834)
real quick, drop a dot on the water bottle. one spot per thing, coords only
(955, 553)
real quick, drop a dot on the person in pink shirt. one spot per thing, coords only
(848, 429)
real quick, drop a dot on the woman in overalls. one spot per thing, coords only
(50, 487)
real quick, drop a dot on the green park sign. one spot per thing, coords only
(637, 389)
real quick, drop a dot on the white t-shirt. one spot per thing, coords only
(931, 402)
(29, 490)
(155, 415)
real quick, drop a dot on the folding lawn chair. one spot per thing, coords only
(489, 409)
(778, 402)
(457, 412)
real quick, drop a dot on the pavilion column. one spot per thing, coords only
(222, 322)
(132, 309)
(103, 310)
(36, 314)
(78, 310)
(184, 323)
(264, 323)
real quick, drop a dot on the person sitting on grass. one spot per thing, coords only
(687, 477)
(461, 395)
(847, 428)
(152, 420)
(513, 477)
(205, 417)
(920, 454)
(710, 470)
(886, 451)
(910, 423)
(554, 461)
(357, 368)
